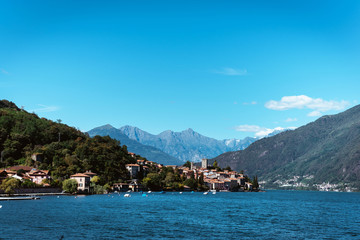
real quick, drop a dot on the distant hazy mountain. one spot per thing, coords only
(327, 150)
(188, 144)
(151, 153)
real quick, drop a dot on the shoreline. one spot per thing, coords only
(31, 194)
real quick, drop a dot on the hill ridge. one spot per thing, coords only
(327, 149)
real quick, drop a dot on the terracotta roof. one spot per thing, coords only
(79, 175)
(39, 172)
(132, 165)
(89, 173)
(7, 171)
(25, 168)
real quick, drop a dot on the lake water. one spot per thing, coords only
(267, 215)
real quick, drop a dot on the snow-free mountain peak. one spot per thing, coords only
(187, 144)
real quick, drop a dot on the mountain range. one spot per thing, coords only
(186, 145)
(324, 153)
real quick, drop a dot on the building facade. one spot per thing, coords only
(83, 181)
(204, 163)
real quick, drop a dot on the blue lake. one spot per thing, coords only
(267, 215)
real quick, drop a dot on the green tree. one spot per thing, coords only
(9, 185)
(95, 179)
(201, 179)
(70, 185)
(107, 187)
(187, 164)
(152, 181)
(20, 172)
(28, 184)
(255, 182)
(215, 164)
(169, 180)
(191, 182)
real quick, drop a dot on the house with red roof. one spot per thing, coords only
(37, 176)
(83, 181)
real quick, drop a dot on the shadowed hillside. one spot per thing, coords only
(327, 150)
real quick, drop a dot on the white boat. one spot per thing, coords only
(213, 192)
(127, 195)
(149, 191)
(180, 192)
(205, 193)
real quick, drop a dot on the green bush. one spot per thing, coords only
(70, 185)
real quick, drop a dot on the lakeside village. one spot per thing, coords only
(144, 176)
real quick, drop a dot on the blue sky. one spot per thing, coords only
(227, 69)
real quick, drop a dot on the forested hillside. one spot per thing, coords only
(64, 150)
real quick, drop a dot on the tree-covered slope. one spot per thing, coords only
(64, 149)
(327, 150)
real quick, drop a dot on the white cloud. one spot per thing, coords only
(232, 71)
(44, 108)
(291, 120)
(318, 105)
(260, 131)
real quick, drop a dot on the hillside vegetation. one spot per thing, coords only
(327, 150)
(65, 150)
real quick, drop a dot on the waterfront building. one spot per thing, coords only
(83, 181)
(37, 176)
